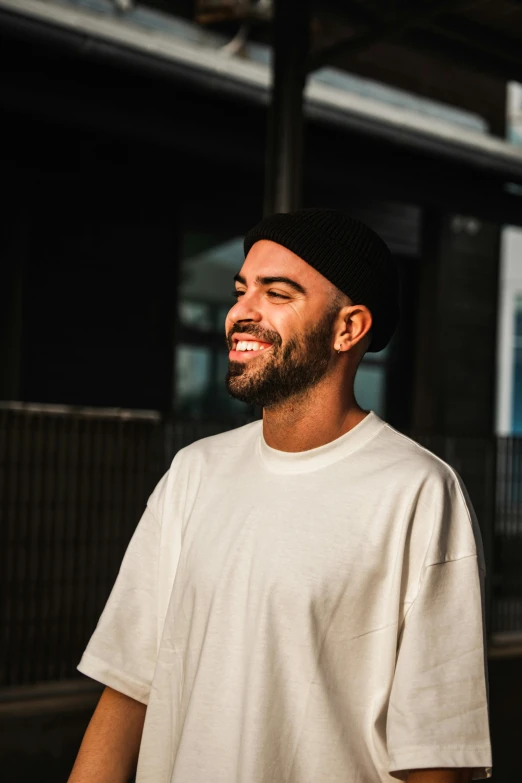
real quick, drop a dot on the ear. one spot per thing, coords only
(353, 324)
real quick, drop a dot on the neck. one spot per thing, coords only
(320, 416)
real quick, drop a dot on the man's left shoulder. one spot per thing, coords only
(414, 460)
(442, 509)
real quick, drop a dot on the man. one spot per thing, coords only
(301, 601)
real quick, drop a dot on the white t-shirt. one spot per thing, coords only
(323, 623)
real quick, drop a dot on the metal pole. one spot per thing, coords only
(285, 116)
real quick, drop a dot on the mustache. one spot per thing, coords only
(263, 335)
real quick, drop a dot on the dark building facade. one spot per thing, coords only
(130, 181)
(128, 196)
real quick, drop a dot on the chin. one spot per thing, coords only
(235, 369)
(240, 394)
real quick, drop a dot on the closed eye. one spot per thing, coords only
(272, 294)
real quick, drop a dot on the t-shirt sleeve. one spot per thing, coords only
(438, 712)
(122, 650)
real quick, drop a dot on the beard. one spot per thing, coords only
(288, 371)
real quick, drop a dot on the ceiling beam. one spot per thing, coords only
(423, 73)
(477, 38)
(468, 54)
(393, 27)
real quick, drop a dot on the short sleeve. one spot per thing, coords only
(122, 650)
(438, 711)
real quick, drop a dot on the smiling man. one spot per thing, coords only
(302, 599)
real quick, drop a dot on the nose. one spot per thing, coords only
(246, 309)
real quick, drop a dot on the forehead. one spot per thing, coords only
(268, 259)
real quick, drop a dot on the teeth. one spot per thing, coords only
(248, 345)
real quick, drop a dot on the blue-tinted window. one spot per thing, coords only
(517, 370)
(370, 386)
(207, 272)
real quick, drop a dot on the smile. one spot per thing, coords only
(247, 348)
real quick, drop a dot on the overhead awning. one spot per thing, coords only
(94, 35)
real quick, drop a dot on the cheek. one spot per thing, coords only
(297, 313)
(288, 320)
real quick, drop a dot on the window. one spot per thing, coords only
(516, 423)
(208, 267)
(370, 383)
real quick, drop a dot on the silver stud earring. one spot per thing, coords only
(339, 350)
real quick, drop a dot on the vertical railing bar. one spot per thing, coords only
(25, 475)
(8, 553)
(110, 522)
(80, 480)
(14, 661)
(74, 527)
(46, 547)
(54, 547)
(61, 470)
(83, 580)
(97, 540)
(130, 482)
(118, 523)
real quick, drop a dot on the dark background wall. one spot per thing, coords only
(95, 263)
(106, 170)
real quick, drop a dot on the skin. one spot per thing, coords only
(109, 751)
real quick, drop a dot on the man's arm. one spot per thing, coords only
(440, 776)
(109, 751)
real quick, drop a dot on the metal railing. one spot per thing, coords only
(73, 484)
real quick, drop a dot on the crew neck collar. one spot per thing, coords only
(314, 459)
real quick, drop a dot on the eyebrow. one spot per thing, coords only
(271, 280)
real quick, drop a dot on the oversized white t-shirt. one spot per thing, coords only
(301, 617)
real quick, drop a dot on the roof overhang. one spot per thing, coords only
(95, 36)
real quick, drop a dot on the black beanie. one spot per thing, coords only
(345, 251)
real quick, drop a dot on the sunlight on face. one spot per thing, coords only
(280, 331)
(279, 306)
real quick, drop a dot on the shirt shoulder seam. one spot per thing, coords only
(431, 565)
(456, 480)
(450, 469)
